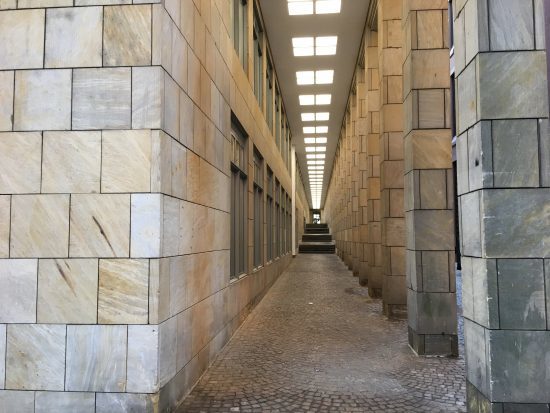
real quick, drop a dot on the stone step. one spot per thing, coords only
(316, 237)
(317, 247)
(317, 230)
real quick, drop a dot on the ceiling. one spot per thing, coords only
(281, 27)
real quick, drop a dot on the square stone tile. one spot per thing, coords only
(21, 39)
(17, 401)
(430, 29)
(106, 345)
(127, 36)
(102, 98)
(18, 291)
(431, 108)
(100, 225)
(35, 357)
(73, 37)
(505, 14)
(39, 226)
(433, 189)
(72, 162)
(6, 101)
(64, 402)
(36, 107)
(67, 291)
(146, 225)
(470, 233)
(126, 161)
(123, 291)
(126, 402)
(147, 97)
(143, 359)
(20, 162)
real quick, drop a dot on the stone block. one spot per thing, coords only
(394, 231)
(20, 162)
(547, 282)
(64, 402)
(466, 111)
(525, 408)
(471, 224)
(511, 85)
(36, 107)
(143, 359)
(480, 156)
(39, 226)
(35, 357)
(147, 97)
(433, 189)
(168, 348)
(67, 291)
(146, 213)
(392, 174)
(516, 223)
(462, 164)
(21, 39)
(506, 14)
(126, 402)
(123, 291)
(18, 291)
(72, 162)
(544, 151)
(73, 37)
(515, 153)
(17, 401)
(102, 98)
(478, 369)
(521, 295)
(430, 69)
(476, 27)
(126, 161)
(485, 292)
(393, 117)
(432, 230)
(100, 225)
(3, 358)
(428, 149)
(106, 345)
(431, 108)
(127, 35)
(6, 100)
(429, 26)
(436, 271)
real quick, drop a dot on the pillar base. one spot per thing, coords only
(478, 403)
(396, 311)
(433, 344)
(375, 292)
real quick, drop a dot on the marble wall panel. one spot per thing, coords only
(17, 401)
(143, 361)
(21, 39)
(3, 358)
(20, 162)
(506, 13)
(126, 402)
(69, 402)
(146, 213)
(18, 291)
(147, 97)
(6, 100)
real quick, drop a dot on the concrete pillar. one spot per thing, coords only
(391, 157)
(431, 281)
(503, 155)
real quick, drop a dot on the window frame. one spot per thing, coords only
(258, 189)
(240, 31)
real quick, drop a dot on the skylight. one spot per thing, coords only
(319, 116)
(305, 7)
(319, 77)
(308, 100)
(300, 7)
(309, 46)
(315, 129)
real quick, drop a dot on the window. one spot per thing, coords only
(277, 246)
(289, 225)
(239, 193)
(258, 208)
(278, 118)
(240, 30)
(269, 105)
(258, 57)
(269, 217)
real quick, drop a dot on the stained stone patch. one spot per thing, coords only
(35, 357)
(21, 39)
(505, 14)
(73, 37)
(476, 355)
(20, 161)
(66, 402)
(471, 231)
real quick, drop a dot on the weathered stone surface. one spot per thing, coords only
(35, 357)
(168, 348)
(466, 98)
(73, 37)
(521, 295)
(32, 4)
(470, 225)
(126, 402)
(17, 401)
(21, 39)
(127, 36)
(3, 358)
(18, 291)
(72, 162)
(516, 223)
(544, 129)
(436, 266)
(123, 291)
(39, 226)
(462, 167)
(6, 100)
(106, 346)
(477, 370)
(547, 282)
(148, 97)
(143, 359)
(146, 225)
(20, 162)
(428, 149)
(36, 108)
(431, 108)
(433, 230)
(507, 14)
(515, 153)
(100, 225)
(432, 313)
(67, 291)
(102, 98)
(66, 402)
(480, 156)
(433, 189)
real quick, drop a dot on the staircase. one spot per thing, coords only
(317, 240)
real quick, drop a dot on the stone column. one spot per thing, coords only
(431, 281)
(354, 171)
(391, 157)
(503, 155)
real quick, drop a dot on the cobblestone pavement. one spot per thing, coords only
(317, 343)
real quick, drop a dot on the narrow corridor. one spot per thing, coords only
(316, 342)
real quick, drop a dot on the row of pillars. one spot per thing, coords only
(391, 198)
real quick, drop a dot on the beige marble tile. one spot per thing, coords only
(73, 36)
(35, 357)
(39, 226)
(66, 402)
(72, 162)
(147, 97)
(171, 109)
(127, 36)
(36, 107)
(126, 161)
(20, 401)
(106, 346)
(20, 159)
(3, 358)
(67, 291)
(33, 4)
(126, 402)
(143, 359)
(5, 208)
(101, 2)
(102, 98)
(18, 291)
(123, 291)
(21, 39)
(167, 349)
(146, 225)
(186, 120)
(161, 175)
(170, 226)
(8, 4)
(6, 100)
(179, 170)
(179, 59)
(100, 225)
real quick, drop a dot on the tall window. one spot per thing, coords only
(277, 246)
(269, 103)
(277, 118)
(240, 30)
(289, 225)
(239, 202)
(283, 222)
(269, 213)
(258, 56)
(258, 208)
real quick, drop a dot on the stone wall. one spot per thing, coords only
(114, 215)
